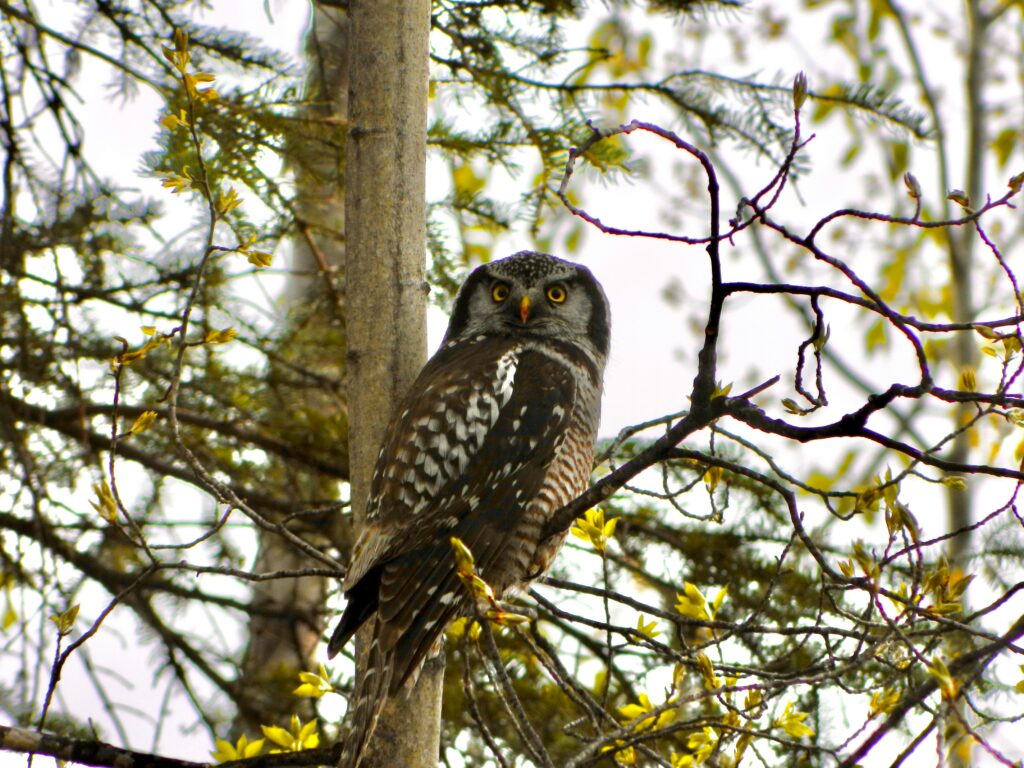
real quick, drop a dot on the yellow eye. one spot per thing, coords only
(557, 293)
(499, 292)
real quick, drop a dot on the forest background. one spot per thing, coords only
(820, 568)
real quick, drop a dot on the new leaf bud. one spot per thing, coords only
(799, 90)
(913, 185)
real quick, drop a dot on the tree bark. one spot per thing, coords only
(386, 290)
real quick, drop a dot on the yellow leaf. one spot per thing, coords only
(143, 422)
(822, 339)
(228, 200)
(947, 683)
(707, 672)
(130, 356)
(463, 557)
(719, 599)
(178, 55)
(295, 739)
(458, 627)
(753, 699)
(241, 750)
(893, 273)
(178, 182)
(626, 756)
(721, 390)
(192, 79)
(220, 337)
(876, 336)
(277, 734)
(702, 743)
(506, 618)
(307, 737)
(792, 406)
(692, 603)
(259, 258)
(173, 122)
(968, 379)
(955, 482)
(250, 749)
(1003, 144)
(224, 751)
(314, 685)
(66, 621)
(578, 531)
(636, 712)
(105, 503)
(592, 527)
(631, 712)
(883, 702)
(465, 569)
(986, 331)
(647, 630)
(467, 183)
(792, 722)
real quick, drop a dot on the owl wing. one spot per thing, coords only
(483, 426)
(434, 437)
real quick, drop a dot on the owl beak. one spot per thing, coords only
(524, 308)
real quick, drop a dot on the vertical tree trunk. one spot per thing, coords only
(962, 256)
(283, 634)
(960, 745)
(386, 290)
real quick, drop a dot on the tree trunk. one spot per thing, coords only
(309, 353)
(386, 290)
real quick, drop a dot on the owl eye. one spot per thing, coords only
(499, 292)
(557, 293)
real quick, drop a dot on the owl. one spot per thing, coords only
(496, 434)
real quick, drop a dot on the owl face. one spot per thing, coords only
(534, 295)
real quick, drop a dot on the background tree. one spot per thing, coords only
(842, 634)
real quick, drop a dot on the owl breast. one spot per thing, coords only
(565, 478)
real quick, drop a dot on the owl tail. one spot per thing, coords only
(369, 701)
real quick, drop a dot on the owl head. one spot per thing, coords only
(533, 295)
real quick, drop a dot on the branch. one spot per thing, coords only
(100, 753)
(69, 425)
(966, 667)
